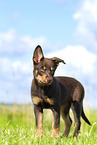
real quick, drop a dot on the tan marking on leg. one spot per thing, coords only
(36, 100)
(55, 132)
(66, 121)
(39, 128)
(50, 101)
(76, 131)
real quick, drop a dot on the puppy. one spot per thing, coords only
(56, 93)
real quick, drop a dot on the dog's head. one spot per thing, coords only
(44, 68)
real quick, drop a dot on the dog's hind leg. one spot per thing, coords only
(67, 120)
(76, 108)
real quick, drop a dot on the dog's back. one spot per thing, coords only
(75, 88)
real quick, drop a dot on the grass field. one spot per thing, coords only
(17, 127)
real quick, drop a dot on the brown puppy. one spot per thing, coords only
(55, 93)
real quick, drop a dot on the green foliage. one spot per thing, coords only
(17, 127)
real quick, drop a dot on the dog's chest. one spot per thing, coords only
(43, 102)
(42, 97)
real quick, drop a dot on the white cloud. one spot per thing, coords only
(15, 80)
(16, 65)
(87, 24)
(79, 57)
(8, 37)
(12, 47)
(13, 44)
(88, 11)
(80, 64)
(86, 32)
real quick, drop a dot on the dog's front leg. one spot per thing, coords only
(39, 120)
(56, 122)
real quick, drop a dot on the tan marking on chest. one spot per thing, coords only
(49, 101)
(36, 100)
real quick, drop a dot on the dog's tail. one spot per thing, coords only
(84, 117)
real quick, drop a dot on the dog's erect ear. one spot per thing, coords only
(38, 55)
(57, 61)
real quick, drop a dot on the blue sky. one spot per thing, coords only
(49, 18)
(64, 28)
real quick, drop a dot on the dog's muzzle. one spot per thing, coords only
(44, 80)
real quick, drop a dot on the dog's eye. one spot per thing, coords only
(52, 69)
(43, 69)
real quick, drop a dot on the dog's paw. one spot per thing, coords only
(55, 136)
(39, 133)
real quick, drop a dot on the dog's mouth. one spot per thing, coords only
(44, 80)
(45, 83)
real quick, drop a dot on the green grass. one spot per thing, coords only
(17, 127)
